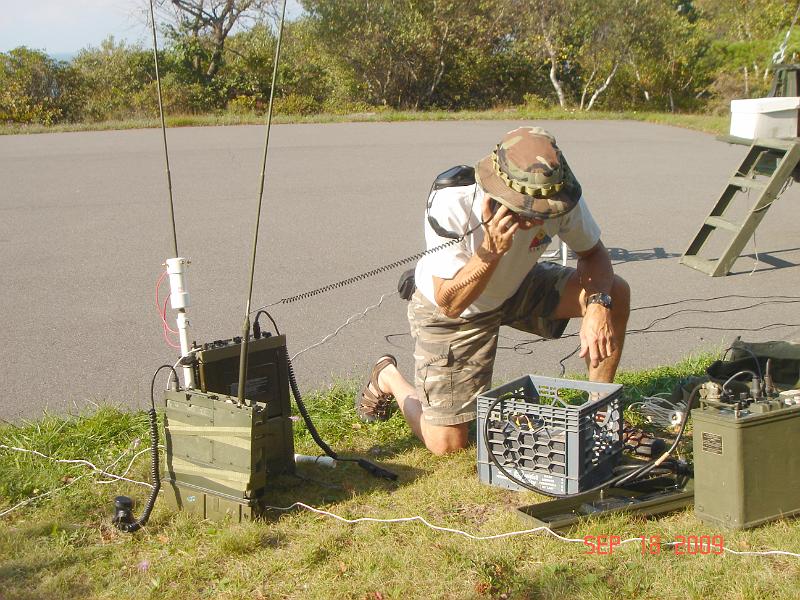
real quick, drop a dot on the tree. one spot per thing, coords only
(201, 28)
(603, 48)
(550, 30)
(415, 53)
(743, 38)
(113, 74)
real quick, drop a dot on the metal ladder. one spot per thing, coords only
(776, 158)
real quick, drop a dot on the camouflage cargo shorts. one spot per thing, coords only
(454, 358)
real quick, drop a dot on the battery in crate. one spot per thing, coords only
(557, 435)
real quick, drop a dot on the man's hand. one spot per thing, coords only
(499, 228)
(597, 334)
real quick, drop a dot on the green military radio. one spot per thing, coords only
(221, 453)
(746, 465)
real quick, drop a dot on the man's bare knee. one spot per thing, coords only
(444, 439)
(621, 293)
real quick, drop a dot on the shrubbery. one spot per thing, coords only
(679, 55)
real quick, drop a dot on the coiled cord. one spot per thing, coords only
(123, 505)
(366, 274)
(451, 291)
(373, 272)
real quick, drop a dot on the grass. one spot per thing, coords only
(707, 123)
(63, 546)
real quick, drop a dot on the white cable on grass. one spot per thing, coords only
(350, 321)
(130, 464)
(417, 519)
(498, 536)
(29, 500)
(85, 463)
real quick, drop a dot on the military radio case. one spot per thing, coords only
(221, 455)
(746, 464)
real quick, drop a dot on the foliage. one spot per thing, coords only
(357, 56)
(199, 30)
(112, 75)
(34, 88)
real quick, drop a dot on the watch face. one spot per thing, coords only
(601, 298)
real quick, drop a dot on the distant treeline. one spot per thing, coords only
(346, 56)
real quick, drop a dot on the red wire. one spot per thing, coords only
(158, 285)
(169, 341)
(163, 314)
(164, 317)
(166, 327)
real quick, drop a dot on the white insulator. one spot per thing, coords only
(326, 461)
(179, 296)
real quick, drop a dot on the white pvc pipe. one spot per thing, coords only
(179, 300)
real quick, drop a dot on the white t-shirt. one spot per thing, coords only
(459, 209)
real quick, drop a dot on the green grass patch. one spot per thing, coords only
(63, 545)
(707, 123)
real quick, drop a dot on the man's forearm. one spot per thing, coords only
(454, 295)
(595, 272)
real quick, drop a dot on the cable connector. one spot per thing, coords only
(123, 511)
(375, 470)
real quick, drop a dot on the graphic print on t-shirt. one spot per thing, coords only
(541, 238)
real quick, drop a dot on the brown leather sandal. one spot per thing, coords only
(369, 407)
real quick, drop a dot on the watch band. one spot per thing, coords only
(599, 298)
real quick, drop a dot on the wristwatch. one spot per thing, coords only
(599, 298)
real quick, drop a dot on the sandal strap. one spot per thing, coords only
(383, 362)
(377, 404)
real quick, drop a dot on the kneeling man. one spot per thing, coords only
(524, 195)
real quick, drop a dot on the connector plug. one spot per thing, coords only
(375, 470)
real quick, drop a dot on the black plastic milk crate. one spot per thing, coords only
(558, 435)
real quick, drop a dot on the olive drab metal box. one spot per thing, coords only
(220, 455)
(746, 463)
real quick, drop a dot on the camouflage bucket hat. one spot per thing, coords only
(527, 173)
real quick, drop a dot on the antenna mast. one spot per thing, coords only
(246, 324)
(176, 267)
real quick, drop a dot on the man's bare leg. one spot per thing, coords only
(439, 439)
(442, 439)
(573, 304)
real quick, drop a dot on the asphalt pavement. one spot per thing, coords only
(85, 228)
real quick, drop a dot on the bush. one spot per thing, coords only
(295, 104)
(113, 75)
(34, 88)
(534, 102)
(243, 105)
(178, 98)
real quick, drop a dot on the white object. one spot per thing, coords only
(176, 268)
(179, 299)
(325, 461)
(561, 252)
(765, 117)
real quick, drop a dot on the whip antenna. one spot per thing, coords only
(176, 266)
(246, 325)
(163, 130)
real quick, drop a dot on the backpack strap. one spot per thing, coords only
(457, 176)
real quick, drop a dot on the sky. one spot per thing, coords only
(62, 27)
